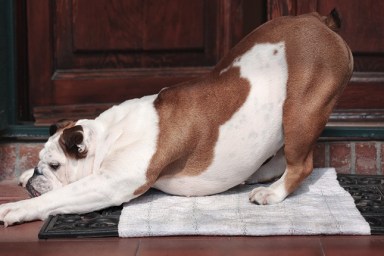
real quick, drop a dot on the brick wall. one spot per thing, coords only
(351, 157)
(18, 157)
(346, 156)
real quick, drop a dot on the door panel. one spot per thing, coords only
(89, 52)
(104, 25)
(134, 34)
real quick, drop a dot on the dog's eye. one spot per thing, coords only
(54, 166)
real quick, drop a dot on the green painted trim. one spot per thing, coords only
(369, 133)
(12, 99)
(7, 64)
(340, 133)
(25, 132)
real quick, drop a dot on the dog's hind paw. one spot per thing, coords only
(266, 195)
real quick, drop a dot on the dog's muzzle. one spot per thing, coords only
(33, 183)
(31, 190)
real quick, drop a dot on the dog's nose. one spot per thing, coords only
(36, 172)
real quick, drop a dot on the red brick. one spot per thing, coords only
(319, 156)
(7, 161)
(366, 158)
(340, 157)
(382, 159)
(28, 156)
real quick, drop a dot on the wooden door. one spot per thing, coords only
(6, 64)
(85, 55)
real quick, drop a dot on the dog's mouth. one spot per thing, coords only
(31, 190)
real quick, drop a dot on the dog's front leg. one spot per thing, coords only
(25, 176)
(89, 194)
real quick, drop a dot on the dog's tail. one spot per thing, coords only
(333, 20)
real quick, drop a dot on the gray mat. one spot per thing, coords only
(367, 191)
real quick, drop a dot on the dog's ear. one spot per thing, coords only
(61, 124)
(72, 142)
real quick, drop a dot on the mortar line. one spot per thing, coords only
(16, 169)
(353, 157)
(327, 155)
(378, 158)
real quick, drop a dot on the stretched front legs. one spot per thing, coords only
(89, 194)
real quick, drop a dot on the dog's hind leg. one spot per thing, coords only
(269, 171)
(303, 122)
(299, 140)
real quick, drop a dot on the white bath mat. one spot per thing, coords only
(319, 206)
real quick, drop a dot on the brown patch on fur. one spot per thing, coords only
(190, 116)
(319, 67)
(69, 141)
(60, 125)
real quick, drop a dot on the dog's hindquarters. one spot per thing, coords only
(320, 66)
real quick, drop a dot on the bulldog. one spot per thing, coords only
(255, 117)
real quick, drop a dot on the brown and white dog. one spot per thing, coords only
(270, 96)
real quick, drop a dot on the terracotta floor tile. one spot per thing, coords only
(11, 189)
(353, 245)
(26, 232)
(79, 247)
(230, 246)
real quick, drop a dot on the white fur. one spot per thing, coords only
(273, 194)
(120, 144)
(252, 135)
(273, 169)
(25, 176)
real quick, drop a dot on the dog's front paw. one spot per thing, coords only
(266, 195)
(18, 212)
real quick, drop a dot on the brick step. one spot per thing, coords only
(350, 157)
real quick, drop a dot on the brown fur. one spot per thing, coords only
(69, 141)
(61, 125)
(319, 67)
(190, 116)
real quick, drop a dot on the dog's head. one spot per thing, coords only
(67, 156)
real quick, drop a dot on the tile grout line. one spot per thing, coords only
(138, 248)
(321, 246)
(353, 158)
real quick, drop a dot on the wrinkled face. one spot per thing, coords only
(64, 159)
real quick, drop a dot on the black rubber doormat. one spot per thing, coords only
(102, 223)
(367, 191)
